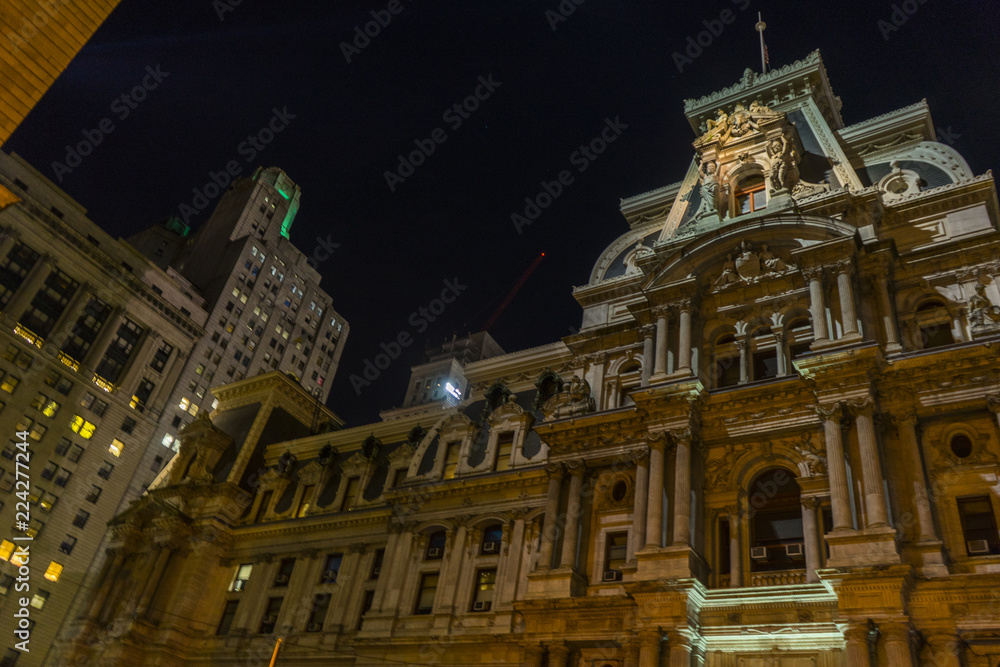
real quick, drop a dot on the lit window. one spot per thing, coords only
(6, 549)
(55, 569)
(81, 426)
(168, 440)
(750, 195)
(193, 410)
(241, 577)
(10, 384)
(38, 601)
(116, 447)
(184, 404)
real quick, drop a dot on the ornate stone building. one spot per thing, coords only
(773, 442)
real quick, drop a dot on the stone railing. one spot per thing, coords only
(779, 578)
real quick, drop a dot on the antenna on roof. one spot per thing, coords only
(764, 59)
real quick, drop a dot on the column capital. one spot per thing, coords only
(682, 435)
(857, 632)
(662, 311)
(859, 406)
(640, 456)
(943, 642)
(810, 502)
(814, 273)
(555, 470)
(684, 305)
(648, 331)
(895, 631)
(559, 652)
(651, 637)
(832, 411)
(843, 266)
(575, 468)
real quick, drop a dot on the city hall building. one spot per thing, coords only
(773, 442)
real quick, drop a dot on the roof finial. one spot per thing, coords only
(764, 59)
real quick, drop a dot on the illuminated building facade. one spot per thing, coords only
(773, 442)
(92, 337)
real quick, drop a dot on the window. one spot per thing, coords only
(10, 383)
(116, 447)
(750, 195)
(377, 564)
(961, 445)
(160, 358)
(67, 545)
(128, 425)
(99, 408)
(427, 591)
(6, 581)
(228, 614)
(451, 459)
(105, 470)
(934, 324)
(979, 526)
(50, 470)
(80, 520)
(304, 501)
(614, 555)
(39, 599)
(727, 361)
(435, 545)
(11, 656)
(505, 443)
(119, 351)
(95, 494)
(482, 596)
(800, 338)
(317, 615)
(331, 569)
(47, 501)
(492, 537)
(241, 577)
(45, 405)
(350, 493)
(53, 572)
(62, 478)
(284, 572)
(776, 533)
(82, 427)
(6, 549)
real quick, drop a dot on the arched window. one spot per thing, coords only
(435, 545)
(776, 533)
(750, 195)
(800, 337)
(492, 537)
(934, 324)
(764, 349)
(727, 361)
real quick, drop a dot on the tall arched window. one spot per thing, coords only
(764, 349)
(800, 338)
(776, 534)
(750, 195)
(727, 361)
(934, 324)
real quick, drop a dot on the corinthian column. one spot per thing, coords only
(647, 353)
(654, 506)
(845, 290)
(684, 339)
(641, 501)
(897, 644)
(881, 280)
(735, 552)
(871, 465)
(555, 473)
(914, 471)
(831, 413)
(660, 365)
(817, 307)
(858, 653)
(682, 489)
(572, 515)
(810, 537)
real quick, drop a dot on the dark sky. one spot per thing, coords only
(452, 217)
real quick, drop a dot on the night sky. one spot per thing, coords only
(552, 90)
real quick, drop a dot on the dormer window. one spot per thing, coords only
(750, 195)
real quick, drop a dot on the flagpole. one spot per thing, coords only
(274, 656)
(760, 28)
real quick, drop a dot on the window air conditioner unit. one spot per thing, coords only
(612, 575)
(480, 605)
(434, 553)
(376, 571)
(269, 620)
(314, 627)
(491, 547)
(281, 580)
(758, 553)
(239, 585)
(66, 548)
(794, 550)
(977, 547)
(330, 576)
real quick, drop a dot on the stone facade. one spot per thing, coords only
(774, 441)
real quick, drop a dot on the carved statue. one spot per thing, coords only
(784, 164)
(982, 309)
(710, 191)
(728, 273)
(770, 262)
(746, 265)
(717, 125)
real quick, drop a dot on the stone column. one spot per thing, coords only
(640, 503)
(550, 530)
(533, 656)
(845, 290)
(654, 505)
(943, 650)
(141, 356)
(32, 282)
(649, 648)
(914, 471)
(682, 489)
(810, 537)
(660, 366)
(74, 309)
(558, 655)
(743, 345)
(159, 565)
(816, 304)
(12, 237)
(840, 500)
(684, 339)
(107, 580)
(871, 465)
(680, 650)
(648, 358)
(897, 644)
(510, 566)
(103, 339)
(735, 552)
(886, 309)
(568, 559)
(858, 653)
(779, 348)
(630, 649)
